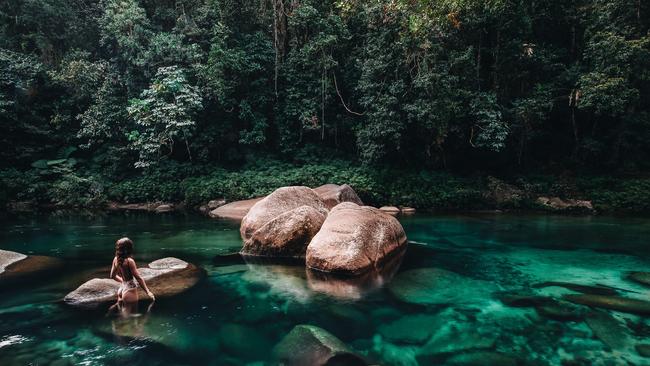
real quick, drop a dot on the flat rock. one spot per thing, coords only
(617, 303)
(234, 210)
(15, 266)
(8, 258)
(609, 330)
(314, 346)
(286, 235)
(333, 194)
(355, 239)
(165, 278)
(427, 286)
(391, 210)
(520, 299)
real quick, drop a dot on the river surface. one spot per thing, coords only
(441, 304)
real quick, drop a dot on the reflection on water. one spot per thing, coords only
(470, 289)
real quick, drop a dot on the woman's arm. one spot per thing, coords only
(114, 274)
(136, 275)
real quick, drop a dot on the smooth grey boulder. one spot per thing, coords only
(165, 277)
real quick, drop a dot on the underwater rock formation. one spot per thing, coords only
(354, 239)
(617, 303)
(311, 345)
(428, 286)
(165, 277)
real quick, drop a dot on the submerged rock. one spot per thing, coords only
(482, 358)
(234, 210)
(355, 239)
(454, 339)
(429, 286)
(617, 303)
(165, 277)
(643, 349)
(585, 289)
(243, 341)
(282, 223)
(640, 277)
(412, 329)
(609, 330)
(407, 211)
(560, 310)
(286, 235)
(314, 346)
(520, 299)
(15, 266)
(333, 194)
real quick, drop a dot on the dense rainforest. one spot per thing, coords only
(412, 102)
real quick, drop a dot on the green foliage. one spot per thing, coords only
(164, 114)
(419, 88)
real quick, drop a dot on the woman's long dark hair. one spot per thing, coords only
(123, 249)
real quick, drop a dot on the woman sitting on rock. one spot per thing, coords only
(126, 272)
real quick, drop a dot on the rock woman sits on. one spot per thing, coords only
(126, 272)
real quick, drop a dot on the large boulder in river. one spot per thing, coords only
(355, 239)
(333, 194)
(165, 277)
(16, 266)
(311, 345)
(287, 235)
(234, 210)
(282, 223)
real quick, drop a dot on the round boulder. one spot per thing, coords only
(165, 277)
(286, 235)
(355, 239)
(282, 223)
(333, 194)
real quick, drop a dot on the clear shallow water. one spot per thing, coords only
(440, 307)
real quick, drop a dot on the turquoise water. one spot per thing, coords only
(440, 305)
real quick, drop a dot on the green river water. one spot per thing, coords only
(442, 304)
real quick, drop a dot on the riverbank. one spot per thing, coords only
(192, 187)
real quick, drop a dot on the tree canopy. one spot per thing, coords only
(448, 84)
